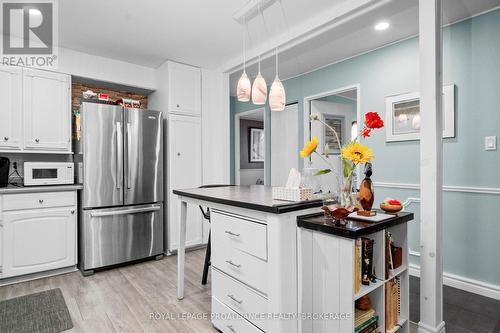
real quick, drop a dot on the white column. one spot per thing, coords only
(431, 168)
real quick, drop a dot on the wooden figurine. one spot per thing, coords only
(365, 195)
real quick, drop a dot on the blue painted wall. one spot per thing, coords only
(472, 63)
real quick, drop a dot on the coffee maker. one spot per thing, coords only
(4, 171)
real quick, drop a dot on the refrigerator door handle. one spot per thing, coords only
(129, 143)
(152, 208)
(119, 155)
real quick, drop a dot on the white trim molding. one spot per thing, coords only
(463, 283)
(446, 188)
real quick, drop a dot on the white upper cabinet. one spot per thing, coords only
(11, 86)
(47, 111)
(184, 89)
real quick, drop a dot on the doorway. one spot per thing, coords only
(250, 147)
(339, 109)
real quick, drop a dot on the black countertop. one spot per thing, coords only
(354, 228)
(255, 197)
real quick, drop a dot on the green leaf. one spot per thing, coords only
(347, 168)
(326, 150)
(322, 172)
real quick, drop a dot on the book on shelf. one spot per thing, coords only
(366, 260)
(362, 316)
(373, 328)
(361, 328)
(392, 303)
(357, 265)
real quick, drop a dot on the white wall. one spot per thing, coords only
(106, 69)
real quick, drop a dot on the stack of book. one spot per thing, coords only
(363, 262)
(392, 294)
(366, 321)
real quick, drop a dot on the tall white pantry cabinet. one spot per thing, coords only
(184, 152)
(35, 116)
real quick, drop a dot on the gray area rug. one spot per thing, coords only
(41, 312)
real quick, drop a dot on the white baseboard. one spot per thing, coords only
(423, 328)
(463, 283)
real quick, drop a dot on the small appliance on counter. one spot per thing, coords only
(4, 171)
(48, 173)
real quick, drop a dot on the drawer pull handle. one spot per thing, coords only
(6, 138)
(232, 263)
(231, 328)
(40, 201)
(231, 233)
(235, 299)
(37, 140)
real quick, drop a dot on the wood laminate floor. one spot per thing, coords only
(124, 299)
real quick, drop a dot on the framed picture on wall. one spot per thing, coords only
(338, 124)
(257, 145)
(402, 115)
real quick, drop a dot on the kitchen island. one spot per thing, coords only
(274, 262)
(254, 256)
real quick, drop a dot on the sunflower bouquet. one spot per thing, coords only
(352, 154)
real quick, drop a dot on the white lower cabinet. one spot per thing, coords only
(239, 273)
(39, 239)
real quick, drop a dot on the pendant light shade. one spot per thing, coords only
(259, 90)
(277, 96)
(244, 87)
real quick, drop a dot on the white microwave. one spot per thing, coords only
(48, 173)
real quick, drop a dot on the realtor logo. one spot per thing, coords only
(29, 33)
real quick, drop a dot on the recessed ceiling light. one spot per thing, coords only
(382, 25)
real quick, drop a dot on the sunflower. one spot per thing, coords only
(310, 147)
(357, 153)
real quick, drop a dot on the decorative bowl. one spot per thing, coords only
(339, 213)
(392, 209)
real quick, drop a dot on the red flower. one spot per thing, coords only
(373, 120)
(366, 132)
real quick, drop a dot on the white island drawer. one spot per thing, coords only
(38, 200)
(240, 233)
(240, 265)
(228, 321)
(239, 297)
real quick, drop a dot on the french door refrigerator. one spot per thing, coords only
(119, 157)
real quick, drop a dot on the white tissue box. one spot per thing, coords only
(292, 194)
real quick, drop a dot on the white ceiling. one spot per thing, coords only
(203, 33)
(147, 32)
(357, 36)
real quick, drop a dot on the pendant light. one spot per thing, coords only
(277, 96)
(244, 86)
(259, 87)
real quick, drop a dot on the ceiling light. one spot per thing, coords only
(382, 26)
(277, 96)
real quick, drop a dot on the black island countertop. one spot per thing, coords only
(354, 228)
(255, 197)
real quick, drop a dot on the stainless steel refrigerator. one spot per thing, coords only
(119, 160)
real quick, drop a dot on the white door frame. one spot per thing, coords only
(308, 99)
(237, 118)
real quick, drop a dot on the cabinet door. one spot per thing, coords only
(47, 111)
(184, 89)
(184, 172)
(11, 86)
(38, 240)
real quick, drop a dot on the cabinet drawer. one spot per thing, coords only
(242, 266)
(228, 321)
(38, 200)
(239, 297)
(240, 233)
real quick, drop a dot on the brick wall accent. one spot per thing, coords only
(77, 89)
